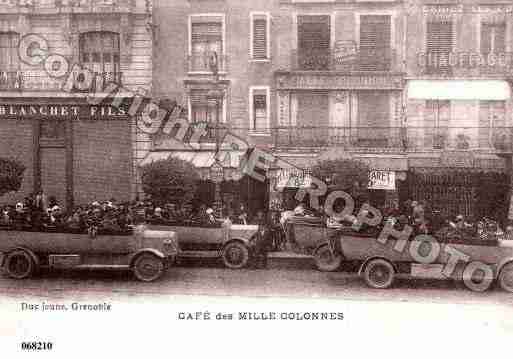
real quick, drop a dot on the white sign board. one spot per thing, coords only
(293, 178)
(382, 180)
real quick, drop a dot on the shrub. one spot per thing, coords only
(11, 175)
(170, 181)
(349, 175)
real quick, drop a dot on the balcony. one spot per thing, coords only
(345, 60)
(200, 63)
(396, 139)
(109, 76)
(11, 80)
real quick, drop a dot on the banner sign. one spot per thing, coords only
(291, 177)
(384, 180)
(61, 111)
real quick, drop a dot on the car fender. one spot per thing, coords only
(501, 265)
(146, 250)
(362, 267)
(30, 253)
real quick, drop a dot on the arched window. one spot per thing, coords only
(99, 52)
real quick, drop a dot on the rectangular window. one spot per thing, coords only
(10, 77)
(207, 36)
(375, 37)
(493, 38)
(492, 122)
(314, 36)
(439, 45)
(9, 60)
(99, 52)
(259, 109)
(203, 110)
(437, 118)
(260, 37)
(373, 118)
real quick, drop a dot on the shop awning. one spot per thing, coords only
(459, 90)
(203, 161)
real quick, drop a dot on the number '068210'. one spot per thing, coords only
(36, 346)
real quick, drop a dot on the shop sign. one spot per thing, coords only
(336, 82)
(61, 111)
(293, 178)
(384, 180)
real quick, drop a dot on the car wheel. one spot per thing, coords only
(326, 260)
(379, 274)
(148, 267)
(235, 255)
(506, 277)
(19, 264)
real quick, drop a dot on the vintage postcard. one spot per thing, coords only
(243, 178)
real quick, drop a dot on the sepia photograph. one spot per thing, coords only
(248, 178)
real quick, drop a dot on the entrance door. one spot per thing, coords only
(52, 160)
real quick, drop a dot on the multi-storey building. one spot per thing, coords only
(393, 83)
(75, 151)
(459, 104)
(302, 79)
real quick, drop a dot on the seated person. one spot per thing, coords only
(4, 217)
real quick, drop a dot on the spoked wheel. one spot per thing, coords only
(326, 260)
(235, 255)
(506, 278)
(19, 265)
(379, 274)
(148, 267)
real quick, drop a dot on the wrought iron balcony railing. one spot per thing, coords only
(200, 62)
(372, 60)
(496, 139)
(108, 76)
(11, 80)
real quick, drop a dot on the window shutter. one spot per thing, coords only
(375, 38)
(8, 51)
(486, 33)
(373, 112)
(206, 31)
(314, 32)
(500, 39)
(439, 44)
(259, 38)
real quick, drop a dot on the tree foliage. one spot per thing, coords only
(11, 175)
(346, 174)
(170, 181)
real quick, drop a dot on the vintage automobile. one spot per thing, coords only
(380, 261)
(311, 237)
(233, 243)
(146, 253)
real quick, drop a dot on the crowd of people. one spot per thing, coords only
(416, 214)
(39, 213)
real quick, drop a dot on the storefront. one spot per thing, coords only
(74, 151)
(461, 182)
(387, 178)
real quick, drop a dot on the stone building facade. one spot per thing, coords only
(73, 150)
(419, 90)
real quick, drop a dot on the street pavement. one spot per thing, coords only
(213, 280)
